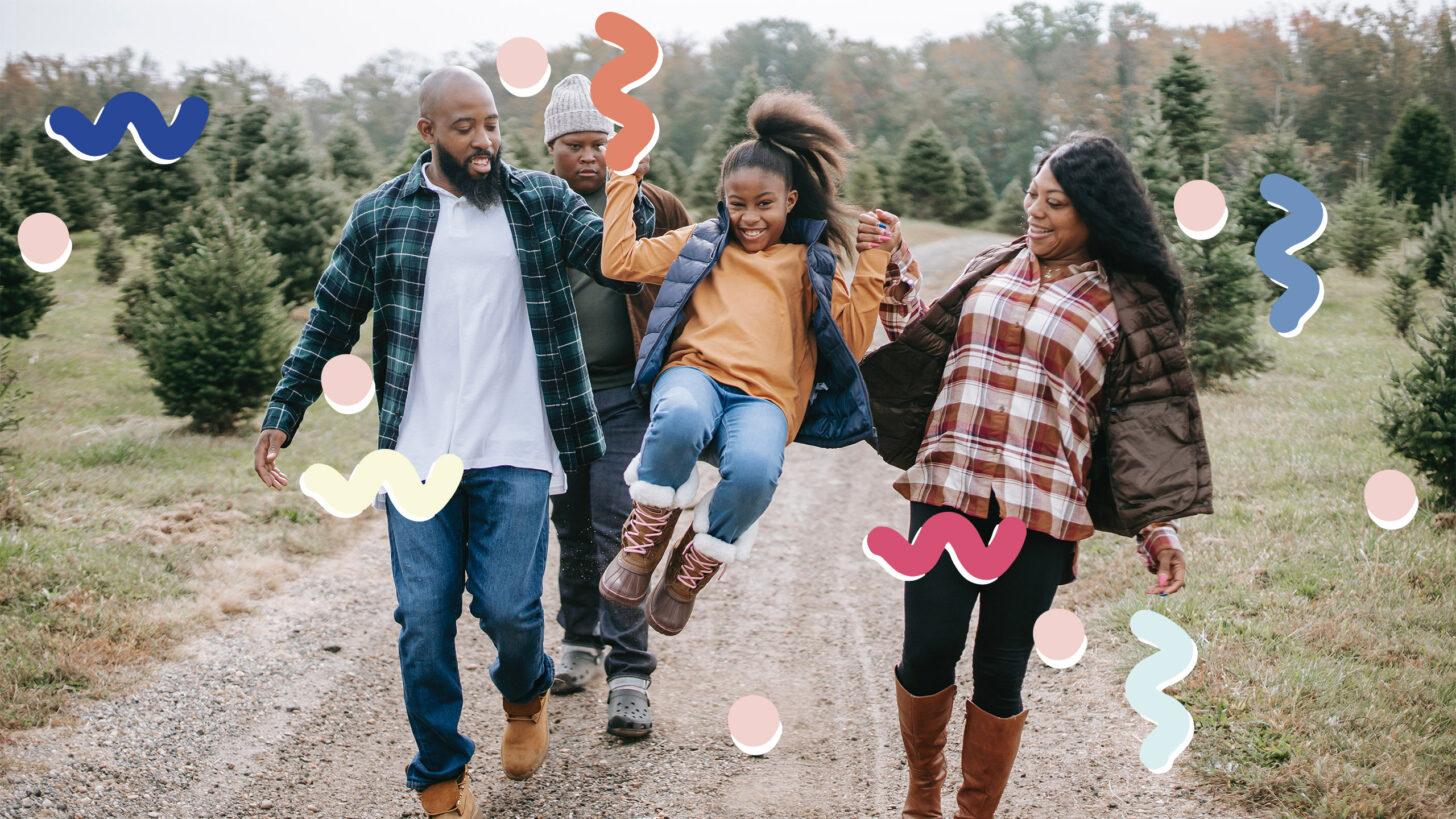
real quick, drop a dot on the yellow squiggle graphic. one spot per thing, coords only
(388, 468)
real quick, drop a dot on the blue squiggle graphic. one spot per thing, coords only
(135, 112)
(1304, 290)
(1144, 690)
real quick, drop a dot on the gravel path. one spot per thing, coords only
(295, 710)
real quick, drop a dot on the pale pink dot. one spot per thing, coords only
(753, 722)
(1199, 206)
(1390, 498)
(1058, 635)
(43, 238)
(523, 66)
(348, 384)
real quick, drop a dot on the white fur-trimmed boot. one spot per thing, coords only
(696, 559)
(646, 535)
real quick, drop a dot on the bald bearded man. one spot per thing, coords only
(477, 353)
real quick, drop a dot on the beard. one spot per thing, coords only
(481, 191)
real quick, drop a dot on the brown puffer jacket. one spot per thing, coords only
(1149, 458)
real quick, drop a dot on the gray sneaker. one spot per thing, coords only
(629, 712)
(577, 668)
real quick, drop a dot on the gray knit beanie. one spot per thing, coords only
(571, 110)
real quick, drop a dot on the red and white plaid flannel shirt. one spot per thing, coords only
(1019, 394)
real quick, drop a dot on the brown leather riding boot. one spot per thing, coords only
(645, 538)
(527, 736)
(987, 753)
(450, 799)
(688, 571)
(922, 729)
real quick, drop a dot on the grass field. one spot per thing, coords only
(135, 529)
(1326, 681)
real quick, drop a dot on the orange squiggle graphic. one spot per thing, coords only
(640, 59)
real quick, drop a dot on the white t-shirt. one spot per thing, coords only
(475, 390)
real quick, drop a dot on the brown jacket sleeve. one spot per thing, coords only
(671, 215)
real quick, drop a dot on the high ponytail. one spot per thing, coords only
(795, 139)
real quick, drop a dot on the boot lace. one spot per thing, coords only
(696, 568)
(645, 529)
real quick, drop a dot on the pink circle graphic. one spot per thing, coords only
(348, 384)
(1390, 498)
(1059, 638)
(1200, 208)
(523, 66)
(45, 242)
(754, 724)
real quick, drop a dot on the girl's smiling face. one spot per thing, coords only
(758, 203)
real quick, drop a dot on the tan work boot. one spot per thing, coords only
(688, 571)
(988, 751)
(645, 538)
(450, 799)
(922, 729)
(527, 736)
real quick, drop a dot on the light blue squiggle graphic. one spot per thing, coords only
(1144, 690)
(1304, 289)
(135, 112)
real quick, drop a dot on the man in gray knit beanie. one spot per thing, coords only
(599, 635)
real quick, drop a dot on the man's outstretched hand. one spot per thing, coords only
(265, 454)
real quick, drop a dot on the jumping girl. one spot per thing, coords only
(753, 343)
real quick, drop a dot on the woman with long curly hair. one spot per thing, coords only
(1048, 384)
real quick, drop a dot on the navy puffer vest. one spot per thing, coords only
(838, 413)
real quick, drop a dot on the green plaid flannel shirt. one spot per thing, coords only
(380, 264)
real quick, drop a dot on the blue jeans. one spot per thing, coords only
(491, 539)
(689, 411)
(588, 520)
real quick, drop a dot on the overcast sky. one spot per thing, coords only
(303, 38)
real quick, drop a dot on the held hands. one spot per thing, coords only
(878, 229)
(265, 452)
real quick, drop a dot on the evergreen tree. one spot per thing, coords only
(521, 150)
(31, 188)
(237, 150)
(216, 330)
(1402, 302)
(352, 157)
(404, 157)
(1225, 306)
(1419, 414)
(130, 321)
(76, 181)
(147, 195)
(110, 261)
(929, 180)
(1364, 226)
(1278, 151)
(732, 129)
(863, 187)
(1009, 215)
(667, 170)
(1438, 245)
(979, 199)
(885, 159)
(25, 295)
(1419, 158)
(300, 212)
(1187, 108)
(1153, 156)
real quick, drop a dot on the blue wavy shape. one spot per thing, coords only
(1176, 656)
(1307, 219)
(135, 112)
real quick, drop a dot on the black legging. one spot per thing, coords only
(938, 617)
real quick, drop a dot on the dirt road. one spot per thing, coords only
(295, 710)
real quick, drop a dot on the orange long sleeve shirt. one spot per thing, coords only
(747, 323)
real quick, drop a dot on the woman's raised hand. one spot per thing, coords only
(878, 229)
